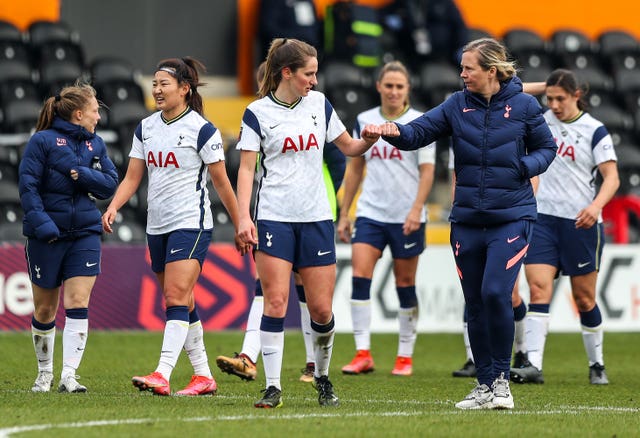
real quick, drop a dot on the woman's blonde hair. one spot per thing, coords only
(492, 54)
(71, 98)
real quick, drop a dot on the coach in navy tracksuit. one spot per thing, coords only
(500, 141)
(64, 168)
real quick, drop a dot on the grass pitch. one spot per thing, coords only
(372, 405)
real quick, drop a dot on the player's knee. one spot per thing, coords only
(584, 303)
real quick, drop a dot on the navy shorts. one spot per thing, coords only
(175, 245)
(50, 264)
(557, 242)
(303, 244)
(381, 234)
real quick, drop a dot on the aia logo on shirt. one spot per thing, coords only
(61, 141)
(299, 144)
(566, 150)
(385, 152)
(161, 160)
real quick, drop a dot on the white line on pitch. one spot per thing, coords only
(8, 431)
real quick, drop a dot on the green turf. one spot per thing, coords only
(376, 404)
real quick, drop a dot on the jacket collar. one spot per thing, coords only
(71, 129)
(508, 88)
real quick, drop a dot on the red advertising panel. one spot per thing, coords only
(127, 295)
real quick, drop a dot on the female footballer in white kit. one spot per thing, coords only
(390, 211)
(568, 236)
(289, 126)
(177, 147)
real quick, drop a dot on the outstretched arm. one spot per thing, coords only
(353, 147)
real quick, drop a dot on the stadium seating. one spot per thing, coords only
(614, 46)
(528, 48)
(437, 81)
(568, 41)
(475, 33)
(11, 232)
(49, 55)
(9, 32)
(19, 115)
(109, 69)
(36, 64)
(14, 60)
(40, 32)
(10, 207)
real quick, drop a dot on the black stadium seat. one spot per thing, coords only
(10, 207)
(437, 81)
(20, 106)
(615, 45)
(475, 33)
(108, 69)
(15, 62)
(59, 51)
(42, 31)
(572, 49)
(9, 32)
(524, 41)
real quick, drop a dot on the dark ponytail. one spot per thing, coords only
(186, 71)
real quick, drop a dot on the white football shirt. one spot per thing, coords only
(290, 139)
(568, 184)
(177, 153)
(392, 176)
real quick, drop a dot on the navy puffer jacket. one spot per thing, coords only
(56, 206)
(497, 145)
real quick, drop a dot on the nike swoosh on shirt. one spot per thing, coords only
(410, 245)
(466, 110)
(512, 239)
(321, 253)
(274, 126)
(89, 265)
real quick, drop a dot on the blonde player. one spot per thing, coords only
(390, 212)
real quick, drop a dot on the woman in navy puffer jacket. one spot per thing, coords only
(64, 169)
(500, 141)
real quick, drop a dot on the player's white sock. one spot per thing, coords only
(175, 334)
(408, 319)
(43, 343)
(592, 337)
(361, 319)
(305, 326)
(467, 342)
(537, 327)
(251, 343)
(195, 349)
(272, 351)
(519, 339)
(322, 335)
(74, 340)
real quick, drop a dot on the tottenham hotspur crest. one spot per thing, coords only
(269, 236)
